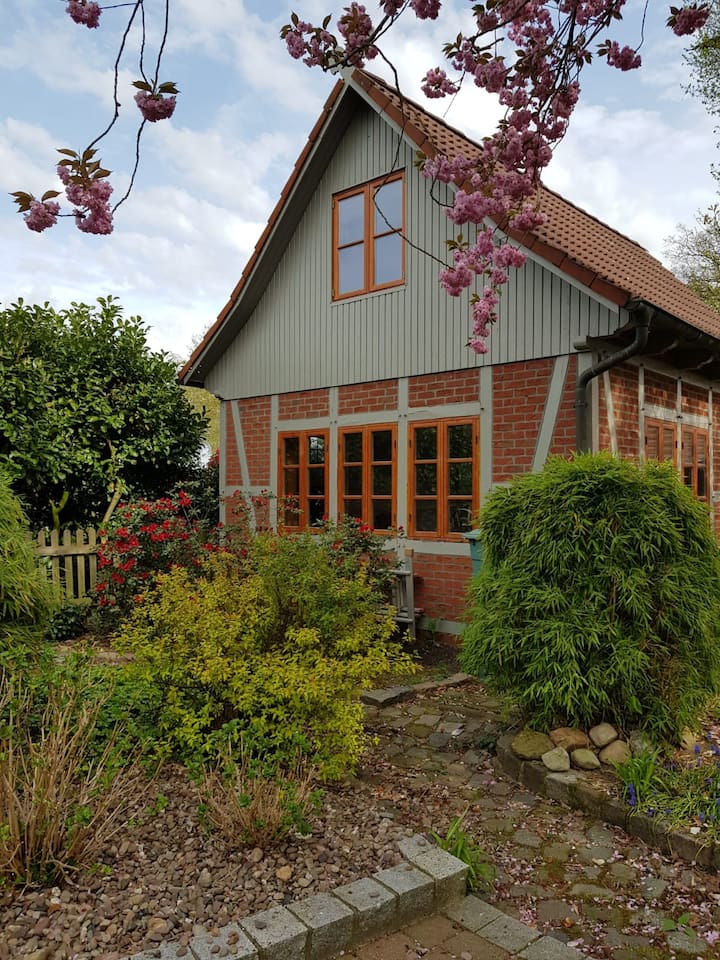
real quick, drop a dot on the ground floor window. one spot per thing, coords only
(443, 494)
(303, 477)
(367, 474)
(661, 443)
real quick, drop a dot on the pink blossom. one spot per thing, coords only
(426, 9)
(624, 58)
(687, 20)
(436, 84)
(42, 215)
(392, 7)
(155, 106)
(84, 11)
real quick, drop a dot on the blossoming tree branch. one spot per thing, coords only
(529, 53)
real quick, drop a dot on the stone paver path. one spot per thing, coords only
(582, 882)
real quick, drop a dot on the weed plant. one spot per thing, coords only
(599, 597)
(458, 842)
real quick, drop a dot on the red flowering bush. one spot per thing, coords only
(357, 548)
(146, 538)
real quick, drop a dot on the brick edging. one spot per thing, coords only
(576, 790)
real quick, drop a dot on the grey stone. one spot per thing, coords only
(591, 890)
(559, 786)
(164, 951)
(623, 872)
(448, 873)
(557, 759)
(414, 889)
(374, 907)
(555, 911)
(527, 838)
(531, 745)
(595, 852)
(438, 740)
(473, 913)
(603, 734)
(653, 887)
(640, 742)
(329, 921)
(509, 933)
(616, 752)
(557, 851)
(384, 698)
(202, 945)
(547, 948)
(585, 759)
(683, 942)
(278, 934)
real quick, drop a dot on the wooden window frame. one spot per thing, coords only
(442, 497)
(693, 465)
(670, 428)
(304, 466)
(367, 190)
(367, 463)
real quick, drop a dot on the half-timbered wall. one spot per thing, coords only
(298, 339)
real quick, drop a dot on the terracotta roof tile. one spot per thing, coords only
(575, 241)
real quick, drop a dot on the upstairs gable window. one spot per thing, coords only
(368, 249)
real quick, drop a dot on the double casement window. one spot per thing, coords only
(368, 227)
(303, 475)
(443, 489)
(367, 475)
(661, 444)
(442, 480)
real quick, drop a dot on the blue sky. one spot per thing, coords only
(638, 155)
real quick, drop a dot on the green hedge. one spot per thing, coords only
(599, 598)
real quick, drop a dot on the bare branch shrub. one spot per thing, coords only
(60, 801)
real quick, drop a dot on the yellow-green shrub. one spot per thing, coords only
(273, 648)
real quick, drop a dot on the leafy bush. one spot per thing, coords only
(26, 597)
(68, 621)
(599, 598)
(356, 547)
(59, 803)
(142, 540)
(272, 647)
(247, 805)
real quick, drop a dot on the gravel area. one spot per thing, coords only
(164, 875)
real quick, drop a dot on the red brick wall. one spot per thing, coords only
(563, 438)
(458, 386)
(660, 391)
(694, 400)
(519, 395)
(441, 584)
(233, 475)
(255, 420)
(359, 397)
(304, 404)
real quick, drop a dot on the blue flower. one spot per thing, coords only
(632, 795)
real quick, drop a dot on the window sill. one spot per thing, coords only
(396, 288)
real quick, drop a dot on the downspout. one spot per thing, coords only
(642, 315)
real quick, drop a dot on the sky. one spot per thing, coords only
(638, 155)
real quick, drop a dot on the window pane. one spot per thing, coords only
(388, 207)
(351, 268)
(351, 219)
(353, 481)
(426, 443)
(688, 476)
(426, 515)
(353, 508)
(381, 514)
(382, 445)
(352, 448)
(688, 447)
(388, 259)
(291, 516)
(316, 449)
(425, 479)
(460, 441)
(382, 481)
(460, 479)
(316, 511)
(291, 450)
(701, 482)
(459, 515)
(316, 481)
(291, 481)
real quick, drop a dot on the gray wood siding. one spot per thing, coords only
(297, 339)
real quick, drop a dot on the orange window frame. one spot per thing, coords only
(367, 191)
(442, 497)
(660, 440)
(305, 469)
(694, 460)
(365, 500)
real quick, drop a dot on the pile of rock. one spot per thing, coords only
(566, 747)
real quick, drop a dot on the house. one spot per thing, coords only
(342, 367)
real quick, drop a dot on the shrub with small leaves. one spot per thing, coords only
(599, 597)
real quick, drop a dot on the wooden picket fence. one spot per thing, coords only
(70, 560)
